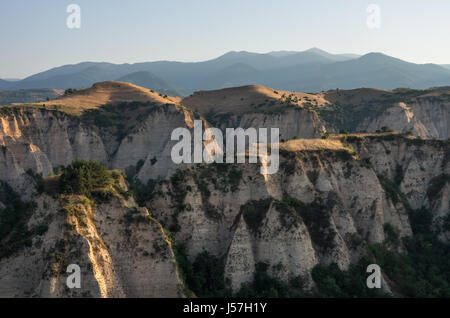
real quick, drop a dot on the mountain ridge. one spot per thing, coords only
(423, 113)
(311, 70)
(151, 81)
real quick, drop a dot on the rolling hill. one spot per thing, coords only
(312, 70)
(104, 93)
(247, 99)
(151, 81)
(4, 84)
(371, 70)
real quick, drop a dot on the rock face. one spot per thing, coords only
(140, 141)
(259, 107)
(118, 254)
(424, 113)
(240, 261)
(329, 198)
(291, 123)
(314, 210)
(425, 118)
(43, 140)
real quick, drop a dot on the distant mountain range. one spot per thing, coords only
(312, 70)
(151, 81)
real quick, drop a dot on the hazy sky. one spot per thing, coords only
(34, 35)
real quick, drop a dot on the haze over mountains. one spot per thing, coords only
(151, 81)
(312, 70)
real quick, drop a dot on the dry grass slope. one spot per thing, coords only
(106, 93)
(239, 100)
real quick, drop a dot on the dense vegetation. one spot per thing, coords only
(88, 178)
(316, 216)
(436, 185)
(120, 118)
(111, 114)
(346, 116)
(423, 270)
(14, 232)
(333, 282)
(264, 285)
(254, 212)
(204, 276)
(142, 192)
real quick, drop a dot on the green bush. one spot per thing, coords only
(392, 234)
(316, 216)
(436, 185)
(134, 216)
(179, 188)
(205, 276)
(84, 178)
(344, 155)
(142, 193)
(393, 192)
(203, 187)
(333, 282)
(423, 271)
(266, 286)
(386, 129)
(41, 229)
(234, 178)
(421, 221)
(254, 212)
(353, 139)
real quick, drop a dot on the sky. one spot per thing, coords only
(34, 35)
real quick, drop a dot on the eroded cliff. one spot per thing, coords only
(331, 198)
